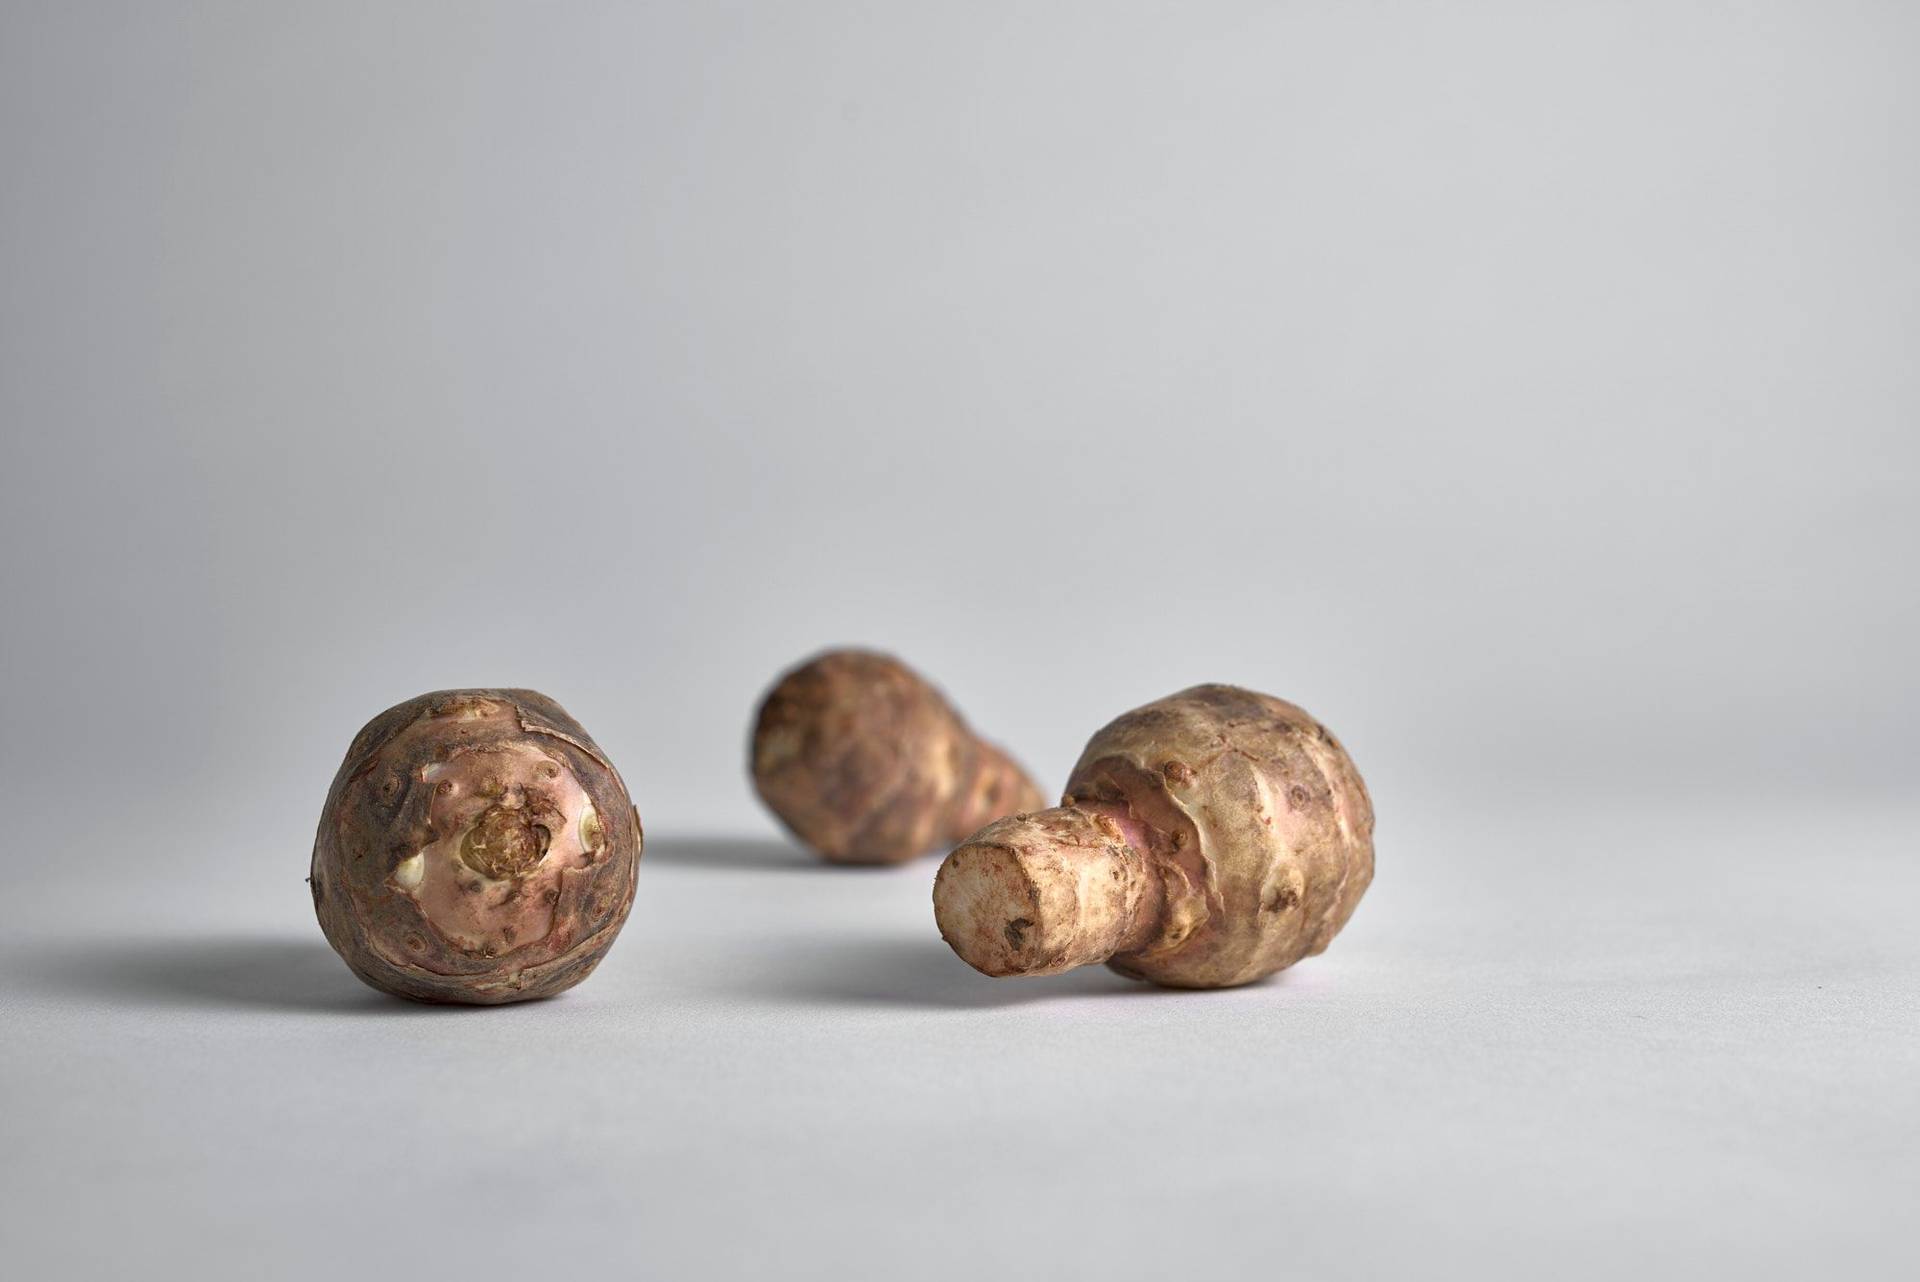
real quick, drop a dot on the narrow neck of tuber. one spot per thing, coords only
(1142, 843)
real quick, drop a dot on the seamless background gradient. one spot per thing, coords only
(1528, 390)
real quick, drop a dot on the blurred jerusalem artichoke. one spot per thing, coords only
(867, 763)
(1206, 840)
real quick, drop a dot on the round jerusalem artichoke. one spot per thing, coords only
(867, 763)
(1206, 840)
(476, 847)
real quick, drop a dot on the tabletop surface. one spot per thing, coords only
(1651, 1037)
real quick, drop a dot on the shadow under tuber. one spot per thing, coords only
(476, 847)
(867, 763)
(1205, 840)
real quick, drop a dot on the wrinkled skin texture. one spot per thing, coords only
(476, 847)
(1206, 840)
(867, 763)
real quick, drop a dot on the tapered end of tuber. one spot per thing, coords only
(1036, 894)
(996, 786)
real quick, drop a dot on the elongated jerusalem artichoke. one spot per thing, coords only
(476, 847)
(1206, 840)
(868, 764)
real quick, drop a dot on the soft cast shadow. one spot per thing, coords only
(227, 972)
(749, 854)
(925, 975)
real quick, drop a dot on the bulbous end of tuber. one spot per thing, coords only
(867, 763)
(1206, 840)
(476, 847)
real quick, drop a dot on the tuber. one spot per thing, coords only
(867, 763)
(476, 847)
(1205, 840)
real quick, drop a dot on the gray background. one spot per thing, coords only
(1529, 390)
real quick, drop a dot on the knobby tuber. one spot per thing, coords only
(867, 763)
(1206, 840)
(476, 847)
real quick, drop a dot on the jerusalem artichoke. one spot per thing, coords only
(1206, 840)
(867, 763)
(476, 847)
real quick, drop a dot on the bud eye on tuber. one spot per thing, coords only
(476, 847)
(1206, 840)
(867, 763)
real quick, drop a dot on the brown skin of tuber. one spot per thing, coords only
(866, 763)
(477, 847)
(1206, 840)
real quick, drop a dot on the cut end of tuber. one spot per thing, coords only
(1036, 894)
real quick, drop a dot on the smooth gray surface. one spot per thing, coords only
(1576, 1040)
(1527, 390)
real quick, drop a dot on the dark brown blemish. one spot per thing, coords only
(1016, 930)
(505, 843)
(1282, 900)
